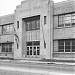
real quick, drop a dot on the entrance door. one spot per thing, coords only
(33, 51)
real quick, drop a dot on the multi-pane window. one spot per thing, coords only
(66, 45)
(7, 47)
(73, 19)
(7, 29)
(66, 20)
(32, 25)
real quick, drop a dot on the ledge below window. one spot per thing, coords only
(64, 52)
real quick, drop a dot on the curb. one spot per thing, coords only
(38, 62)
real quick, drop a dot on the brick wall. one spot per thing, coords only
(64, 7)
(7, 19)
(64, 33)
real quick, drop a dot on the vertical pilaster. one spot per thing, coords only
(49, 37)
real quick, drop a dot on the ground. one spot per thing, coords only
(23, 68)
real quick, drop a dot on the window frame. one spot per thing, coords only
(7, 29)
(6, 46)
(65, 45)
(66, 18)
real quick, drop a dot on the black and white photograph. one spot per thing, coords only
(37, 37)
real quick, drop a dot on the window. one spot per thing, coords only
(66, 45)
(32, 25)
(73, 19)
(61, 19)
(66, 20)
(61, 45)
(7, 47)
(33, 43)
(73, 45)
(44, 20)
(7, 29)
(17, 24)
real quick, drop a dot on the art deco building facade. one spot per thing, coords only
(40, 29)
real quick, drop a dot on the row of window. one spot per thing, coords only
(7, 47)
(7, 29)
(67, 20)
(33, 25)
(33, 43)
(66, 45)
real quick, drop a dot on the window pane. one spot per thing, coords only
(29, 43)
(61, 21)
(67, 45)
(61, 18)
(67, 22)
(68, 17)
(61, 50)
(27, 50)
(38, 50)
(34, 51)
(36, 43)
(28, 25)
(33, 24)
(61, 24)
(73, 42)
(73, 45)
(7, 50)
(37, 24)
(10, 49)
(67, 42)
(4, 29)
(30, 50)
(61, 47)
(3, 49)
(61, 42)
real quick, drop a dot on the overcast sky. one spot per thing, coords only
(8, 6)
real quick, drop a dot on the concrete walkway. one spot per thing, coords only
(37, 62)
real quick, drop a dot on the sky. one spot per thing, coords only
(8, 6)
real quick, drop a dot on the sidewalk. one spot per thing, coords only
(37, 62)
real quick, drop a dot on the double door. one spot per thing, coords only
(33, 51)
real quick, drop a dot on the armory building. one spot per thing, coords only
(39, 29)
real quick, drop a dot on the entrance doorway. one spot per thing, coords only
(33, 50)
